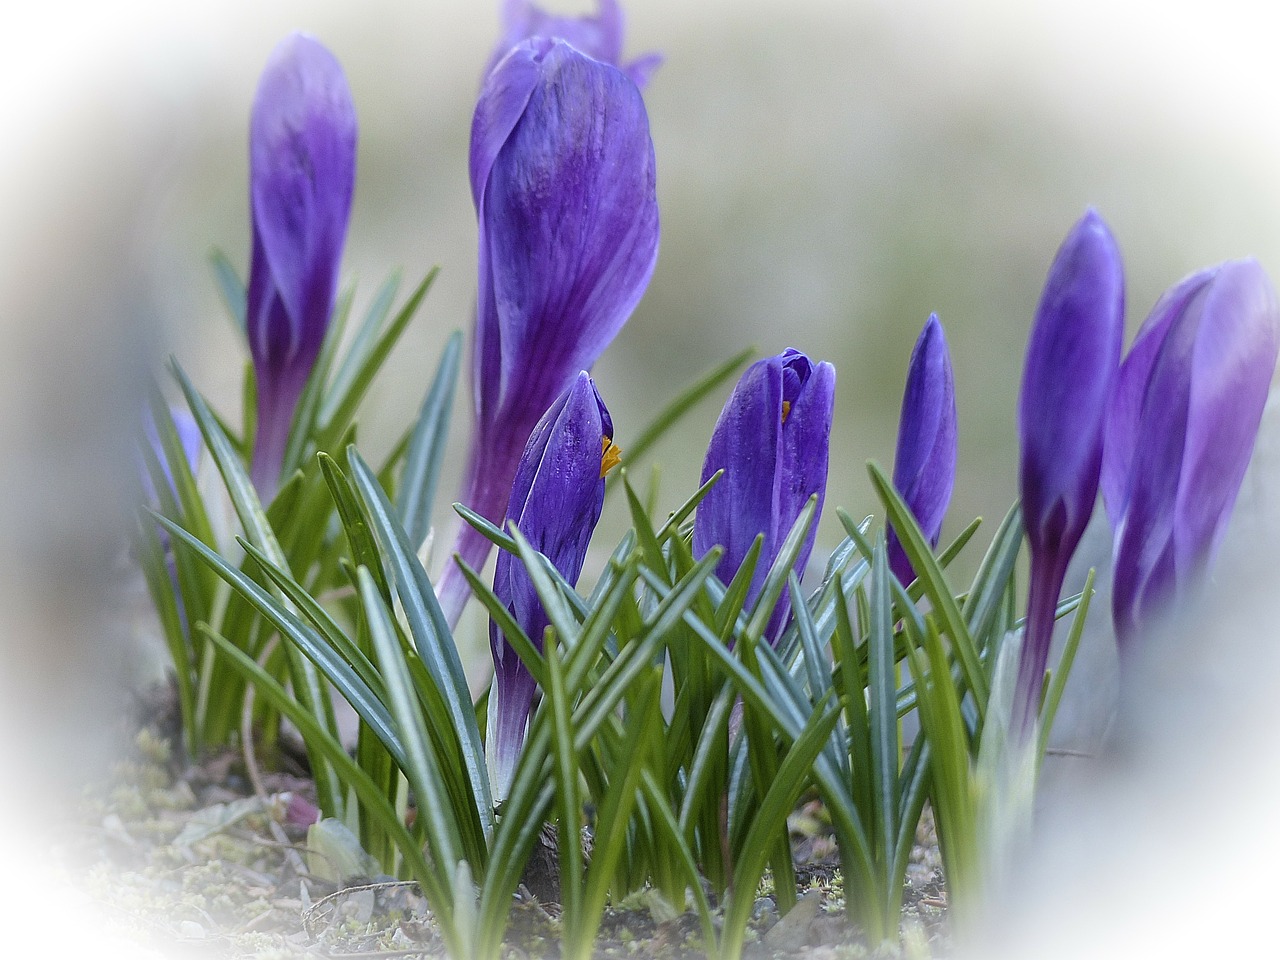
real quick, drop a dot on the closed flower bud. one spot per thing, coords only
(924, 466)
(1181, 431)
(772, 443)
(562, 174)
(555, 504)
(302, 168)
(1072, 358)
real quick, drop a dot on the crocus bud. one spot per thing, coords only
(1072, 358)
(555, 503)
(302, 167)
(599, 37)
(772, 442)
(562, 174)
(924, 466)
(1183, 419)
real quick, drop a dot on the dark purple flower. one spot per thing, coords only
(555, 503)
(1180, 432)
(924, 466)
(1072, 358)
(772, 442)
(302, 167)
(562, 174)
(599, 37)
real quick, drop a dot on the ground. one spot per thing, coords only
(191, 861)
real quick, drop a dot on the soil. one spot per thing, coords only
(194, 861)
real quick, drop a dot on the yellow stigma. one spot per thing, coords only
(786, 408)
(610, 456)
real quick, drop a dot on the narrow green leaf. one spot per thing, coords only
(420, 766)
(230, 286)
(417, 492)
(368, 792)
(344, 678)
(430, 632)
(930, 574)
(346, 393)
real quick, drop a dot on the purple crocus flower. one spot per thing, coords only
(1072, 358)
(1181, 430)
(302, 166)
(555, 503)
(562, 175)
(599, 37)
(772, 442)
(924, 466)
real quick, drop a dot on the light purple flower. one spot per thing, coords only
(924, 465)
(562, 175)
(1072, 358)
(1180, 432)
(599, 37)
(772, 441)
(302, 165)
(188, 435)
(555, 503)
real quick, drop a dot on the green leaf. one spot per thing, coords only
(421, 766)
(230, 286)
(768, 819)
(360, 366)
(432, 639)
(244, 499)
(930, 574)
(417, 492)
(347, 681)
(361, 784)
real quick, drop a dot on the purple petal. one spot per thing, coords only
(925, 461)
(1071, 364)
(302, 155)
(1194, 435)
(1072, 359)
(1130, 387)
(745, 444)
(775, 458)
(555, 503)
(568, 232)
(599, 37)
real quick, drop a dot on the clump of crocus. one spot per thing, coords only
(555, 504)
(562, 175)
(1072, 358)
(1180, 432)
(772, 442)
(302, 167)
(598, 36)
(924, 465)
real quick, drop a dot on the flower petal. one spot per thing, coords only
(569, 232)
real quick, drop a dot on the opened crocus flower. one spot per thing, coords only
(600, 36)
(555, 503)
(924, 466)
(302, 167)
(1072, 358)
(1181, 429)
(562, 175)
(772, 442)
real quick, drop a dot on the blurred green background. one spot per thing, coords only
(829, 174)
